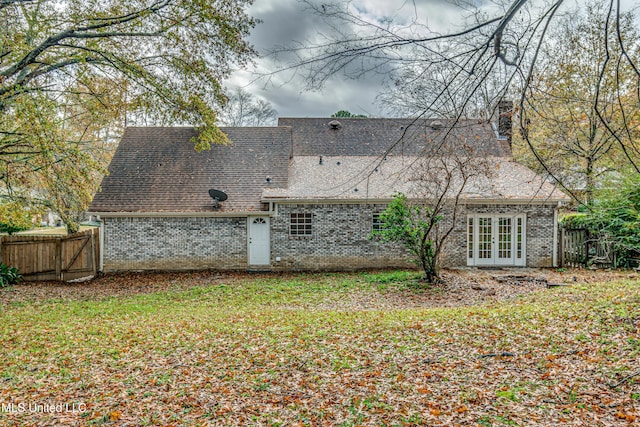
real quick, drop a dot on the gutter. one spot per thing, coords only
(325, 201)
(181, 214)
(555, 236)
(387, 200)
(101, 259)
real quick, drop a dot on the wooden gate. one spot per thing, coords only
(60, 258)
(573, 247)
(580, 248)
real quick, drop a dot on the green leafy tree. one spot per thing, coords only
(74, 72)
(14, 217)
(411, 224)
(424, 222)
(346, 114)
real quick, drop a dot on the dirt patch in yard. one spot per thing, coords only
(470, 286)
(464, 286)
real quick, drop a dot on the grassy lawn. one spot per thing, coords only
(50, 231)
(311, 349)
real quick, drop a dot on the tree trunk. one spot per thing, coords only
(589, 182)
(71, 225)
(430, 265)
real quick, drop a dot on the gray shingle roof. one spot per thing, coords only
(156, 169)
(358, 178)
(377, 137)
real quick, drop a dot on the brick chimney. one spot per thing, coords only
(505, 119)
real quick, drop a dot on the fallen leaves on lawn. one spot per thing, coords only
(312, 349)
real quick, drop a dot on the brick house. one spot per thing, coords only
(306, 194)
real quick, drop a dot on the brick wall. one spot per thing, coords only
(340, 237)
(174, 243)
(339, 240)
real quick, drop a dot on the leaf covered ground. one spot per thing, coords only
(376, 348)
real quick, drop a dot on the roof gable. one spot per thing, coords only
(156, 169)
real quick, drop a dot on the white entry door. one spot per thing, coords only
(259, 241)
(496, 240)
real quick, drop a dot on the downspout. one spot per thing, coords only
(101, 262)
(555, 236)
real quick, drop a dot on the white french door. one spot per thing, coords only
(496, 240)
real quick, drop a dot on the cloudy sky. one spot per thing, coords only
(286, 22)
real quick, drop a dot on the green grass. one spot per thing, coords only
(271, 350)
(51, 231)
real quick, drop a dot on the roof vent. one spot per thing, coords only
(435, 125)
(334, 124)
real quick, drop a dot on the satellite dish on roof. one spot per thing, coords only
(217, 196)
(221, 196)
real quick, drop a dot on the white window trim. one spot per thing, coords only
(297, 225)
(375, 221)
(515, 261)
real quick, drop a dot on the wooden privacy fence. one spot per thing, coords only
(60, 258)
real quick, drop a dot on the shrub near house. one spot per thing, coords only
(9, 276)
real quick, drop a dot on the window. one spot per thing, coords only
(505, 237)
(470, 238)
(376, 222)
(485, 237)
(300, 224)
(519, 238)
